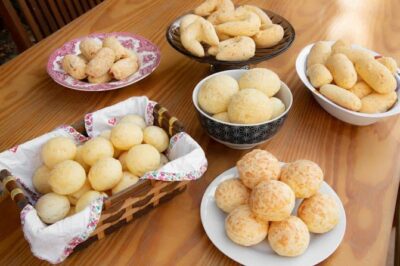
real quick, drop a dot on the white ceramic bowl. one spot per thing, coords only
(351, 117)
(242, 136)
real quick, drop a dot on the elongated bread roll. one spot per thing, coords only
(342, 70)
(101, 63)
(319, 75)
(319, 54)
(361, 89)
(119, 50)
(74, 66)
(378, 103)
(124, 68)
(341, 97)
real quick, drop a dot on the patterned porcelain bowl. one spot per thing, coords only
(242, 136)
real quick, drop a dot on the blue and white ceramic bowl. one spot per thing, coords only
(242, 136)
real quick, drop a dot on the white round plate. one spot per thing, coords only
(213, 219)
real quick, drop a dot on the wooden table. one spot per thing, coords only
(361, 163)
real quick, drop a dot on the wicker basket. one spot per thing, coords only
(128, 204)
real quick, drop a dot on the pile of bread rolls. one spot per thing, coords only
(246, 101)
(101, 61)
(260, 202)
(232, 34)
(71, 176)
(353, 78)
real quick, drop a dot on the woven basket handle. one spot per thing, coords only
(13, 188)
(163, 119)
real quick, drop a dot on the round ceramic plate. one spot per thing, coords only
(148, 55)
(213, 219)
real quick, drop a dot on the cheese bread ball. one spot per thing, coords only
(256, 166)
(106, 134)
(319, 75)
(89, 47)
(272, 200)
(122, 160)
(320, 213)
(230, 194)
(278, 107)
(361, 89)
(126, 181)
(105, 174)
(163, 160)
(342, 70)
(250, 106)
(67, 177)
(243, 228)
(74, 197)
(87, 198)
(216, 93)
(40, 180)
(135, 119)
(157, 137)
(289, 237)
(319, 53)
(378, 103)
(261, 79)
(222, 117)
(52, 207)
(58, 149)
(304, 177)
(95, 149)
(142, 158)
(125, 135)
(389, 63)
(376, 75)
(79, 159)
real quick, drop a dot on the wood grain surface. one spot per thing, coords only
(361, 163)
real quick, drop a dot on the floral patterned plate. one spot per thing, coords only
(148, 53)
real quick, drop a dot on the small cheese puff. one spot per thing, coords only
(265, 20)
(52, 207)
(256, 166)
(163, 160)
(126, 181)
(245, 24)
(250, 106)
(340, 45)
(389, 63)
(74, 197)
(74, 66)
(142, 158)
(378, 103)
(122, 160)
(107, 77)
(278, 107)
(101, 63)
(243, 228)
(289, 237)
(341, 96)
(95, 149)
(361, 89)
(67, 177)
(40, 180)
(105, 174)
(119, 50)
(85, 200)
(125, 135)
(304, 177)
(89, 48)
(216, 93)
(58, 149)
(222, 117)
(230, 194)
(199, 31)
(319, 53)
(319, 75)
(268, 36)
(272, 200)
(79, 159)
(376, 75)
(124, 68)
(235, 49)
(135, 119)
(342, 70)
(210, 6)
(320, 213)
(157, 137)
(261, 79)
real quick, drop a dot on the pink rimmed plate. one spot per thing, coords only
(148, 54)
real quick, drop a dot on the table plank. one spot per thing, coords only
(361, 163)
